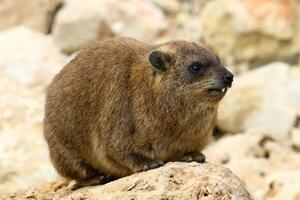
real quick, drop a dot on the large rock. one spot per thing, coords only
(283, 185)
(256, 31)
(28, 57)
(36, 14)
(79, 23)
(177, 181)
(266, 98)
(28, 62)
(261, 160)
(134, 18)
(184, 26)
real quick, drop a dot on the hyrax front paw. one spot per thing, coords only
(98, 180)
(193, 156)
(150, 165)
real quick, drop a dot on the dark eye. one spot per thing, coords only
(196, 68)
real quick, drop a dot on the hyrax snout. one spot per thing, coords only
(122, 106)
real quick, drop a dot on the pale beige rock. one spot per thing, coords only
(28, 57)
(253, 30)
(295, 138)
(36, 14)
(184, 25)
(202, 3)
(188, 27)
(169, 7)
(254, 156)
(29, 60)
(266, 98)
(283, 185)
(176, 181)
(79, 22)
(139, 19)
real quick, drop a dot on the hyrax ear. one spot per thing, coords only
(158, 60)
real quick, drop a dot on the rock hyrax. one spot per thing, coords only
(122, 106)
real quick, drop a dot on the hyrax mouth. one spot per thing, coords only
(220, 90)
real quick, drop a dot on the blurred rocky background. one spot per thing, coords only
(258, 130)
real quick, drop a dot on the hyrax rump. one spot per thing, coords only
(122, 106)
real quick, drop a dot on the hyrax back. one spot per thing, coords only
(122, 106)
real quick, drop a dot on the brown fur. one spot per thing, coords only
(109, 112)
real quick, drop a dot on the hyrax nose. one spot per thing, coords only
(228, 78)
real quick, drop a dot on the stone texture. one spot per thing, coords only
(283, 186)
(28, 57)
(256, 156)
(262, 108)
(295, 138)
(36, 14)
(184, 24)
(139, 19)
(79, 23)
(185, 27)
(169, 7)
(266, 98)
(28, 62)
(177, 181)
(255, 31)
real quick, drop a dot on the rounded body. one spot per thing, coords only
(108, 112)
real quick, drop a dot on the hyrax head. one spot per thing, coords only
(191, 71)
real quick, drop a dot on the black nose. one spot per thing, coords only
(228, 78)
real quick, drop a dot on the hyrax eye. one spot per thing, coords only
(196, 68)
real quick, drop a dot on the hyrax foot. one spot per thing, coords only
(60, 184)
(193, 156)
(92, 181)
(150, 165)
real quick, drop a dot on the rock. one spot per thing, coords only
(185, 27)
(295, 138)
(266, 98)
(36, 14)
(29, 60)
(202, 3)
(130, 18)
(188, 27)
(177, 181)
(255, 31)
(255, 156)
(185, 24)
(283, 185)
(79, 23)
(169, 7)
(28, 57)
